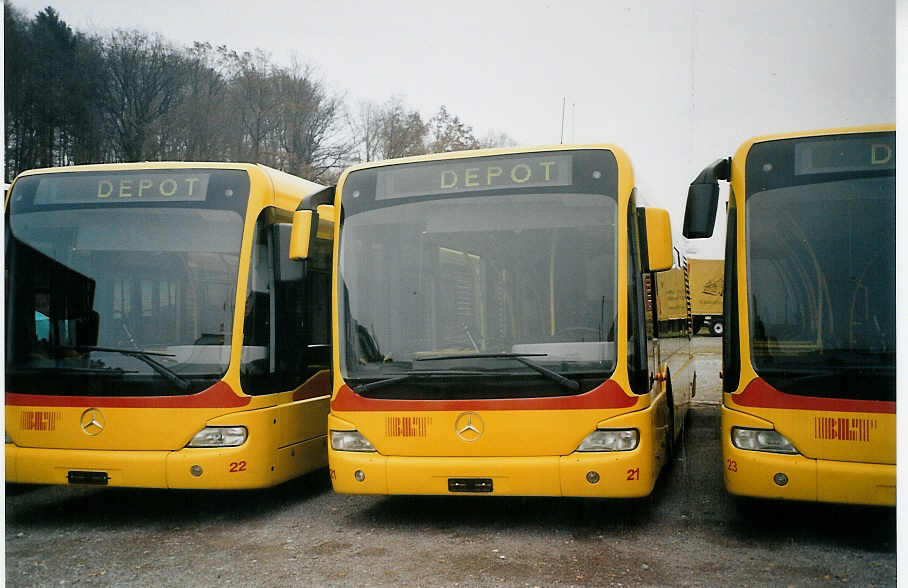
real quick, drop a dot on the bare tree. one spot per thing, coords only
(395, 130)
(497, 139)
(403, 131)
(143, 85)
(449, 133)
(309, 124)
(130, 96)
(195, 129)
(254, 101)
(366, 129)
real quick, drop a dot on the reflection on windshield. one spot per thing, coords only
(821, 263)
(520, 274)
(144, 291)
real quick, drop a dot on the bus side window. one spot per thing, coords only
(256, 373)
(286, 330)
(317, 310)
(731, 353)
(637, 369)
(302, 317)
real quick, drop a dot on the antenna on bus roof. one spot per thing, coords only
(563, 104)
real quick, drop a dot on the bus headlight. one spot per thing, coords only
(761, 440)
(349, 441)
(219, 437)
(611, 440)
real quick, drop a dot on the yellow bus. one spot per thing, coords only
(808, 354)
(157, 333)
(489, 327)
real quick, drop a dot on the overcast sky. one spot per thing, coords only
(676, 84)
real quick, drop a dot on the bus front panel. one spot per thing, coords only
(481, 341)
(506, 466)
(817, 320)
(122, 366)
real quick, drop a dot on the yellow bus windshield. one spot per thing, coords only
(135, 290)
(468, 275)
(820, 259)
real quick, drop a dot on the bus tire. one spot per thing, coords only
(717, 328)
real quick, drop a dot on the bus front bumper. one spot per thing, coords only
(611, 475)
(795, 477)
(761, 474)
(241, 467)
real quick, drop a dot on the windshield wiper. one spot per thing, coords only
(75, 370)
(395, 378)
(360, 388)
(521, 357)
(146, 358)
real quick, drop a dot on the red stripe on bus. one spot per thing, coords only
(759, 394)
(218, 396)
(607, 395)
(317, 385)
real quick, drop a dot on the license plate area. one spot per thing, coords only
(89, 478)
(472, 485)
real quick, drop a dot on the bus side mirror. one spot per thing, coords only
(285, 268)
(303, 233)
(700, 211)
(703, 199)
(655, 239)
(325, 221)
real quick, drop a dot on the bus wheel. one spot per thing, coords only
(716, 328)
